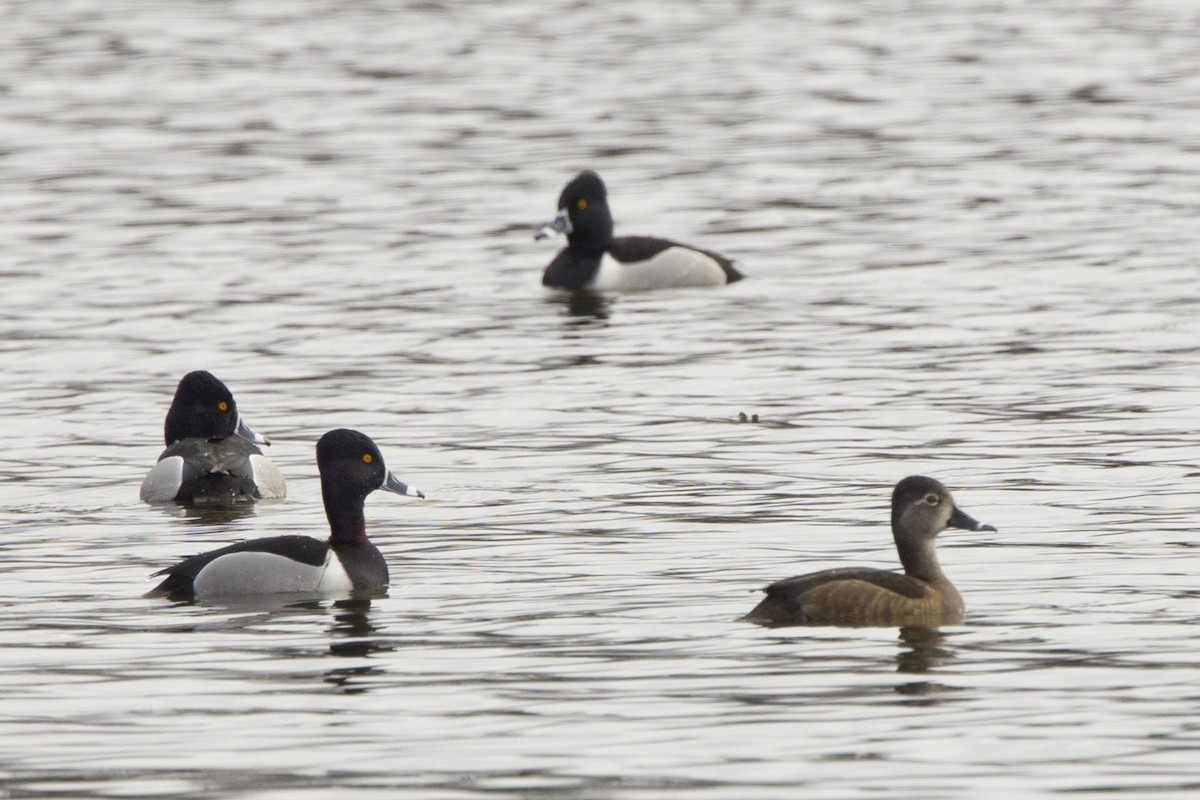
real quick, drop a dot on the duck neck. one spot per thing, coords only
(920, 560)
(347, 523)
(593, 236)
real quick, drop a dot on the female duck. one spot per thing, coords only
(921, 509)
(211, 456)
(595, 259)
(351, 467)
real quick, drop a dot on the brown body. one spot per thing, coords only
(855, 598)
(860, 597)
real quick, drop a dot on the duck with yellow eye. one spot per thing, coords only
(212, 456)
(351, 467)
(595, 259)
(863, 597)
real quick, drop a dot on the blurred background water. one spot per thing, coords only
(970, 230)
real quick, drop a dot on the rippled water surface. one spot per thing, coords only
(971, 235)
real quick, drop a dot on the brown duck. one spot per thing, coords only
(859, 596)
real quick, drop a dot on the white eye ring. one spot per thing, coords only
(932, 499)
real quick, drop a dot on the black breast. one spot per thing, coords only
(363, 563)
(569, 270)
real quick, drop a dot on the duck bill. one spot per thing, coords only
(961, 519)
(243, 430)
(560, 224)
(393, 484)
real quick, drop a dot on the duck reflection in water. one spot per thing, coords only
(861, 597)
(192, 514)
(926, 651)
(352, 630)
(354, 636)
(583, 306)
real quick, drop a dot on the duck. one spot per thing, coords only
(864, 597)
(595, 259)
(351, 467)
(212, 455)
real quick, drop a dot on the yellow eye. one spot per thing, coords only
(368, 458)
(931, 499)
(581, 204)
(222, 406)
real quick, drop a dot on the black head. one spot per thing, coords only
(588, 186)
(203, 408)
(583, 213)
(924, 507)
(352, 467)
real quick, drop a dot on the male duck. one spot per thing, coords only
(595, 259)
(921, 509)
(351, 467)
(211, 456)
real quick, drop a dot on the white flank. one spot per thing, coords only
(268, 573)
(674, 267)
(162, 482)
(267, 478)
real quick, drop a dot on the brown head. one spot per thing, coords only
(921, 509)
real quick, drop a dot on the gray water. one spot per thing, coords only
(971, 235)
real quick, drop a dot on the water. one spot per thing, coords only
(971, 241)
